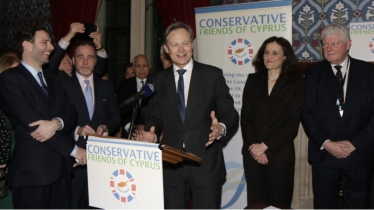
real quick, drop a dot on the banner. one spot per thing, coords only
(124, 174)
(362, 36)
(228, 37)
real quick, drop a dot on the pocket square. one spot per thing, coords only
(104, 99)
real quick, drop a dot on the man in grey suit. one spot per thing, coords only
(195, 111)
(338, 117)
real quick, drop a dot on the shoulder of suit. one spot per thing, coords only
(207, 70)
(102, 82)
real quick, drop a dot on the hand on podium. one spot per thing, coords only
(147, 136)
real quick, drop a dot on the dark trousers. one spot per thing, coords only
(271, 183)
(53, 196)
(208, 197)
(79, 188)
(327, 180)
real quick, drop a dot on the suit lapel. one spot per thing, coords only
(327, 79)
(353, 87)
(172, 93)
(194, 92)
(278, 87)
(134, 87)
(29, 77)
(80, 97)
(98, 96)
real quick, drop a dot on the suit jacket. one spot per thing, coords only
(208, 91)
(126, 89)
(273, 119)
(35, 163)
(106, 111)
(321, 116)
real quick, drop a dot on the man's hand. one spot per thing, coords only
(85, 130)
(73, 30)
(2, 166)
(81, 156)
(141, 135)
(216, 129)
(46, 129)
(347, 146)
(263, 159)
(257, 150)
(336, 149)
(96, 36)
(101, 129)
(139, 127)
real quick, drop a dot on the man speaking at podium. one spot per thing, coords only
(195, 111)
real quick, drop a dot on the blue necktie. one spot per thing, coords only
(43, 85)
(181, 100)
(89, 99)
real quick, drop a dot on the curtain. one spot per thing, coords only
(179, 10)
(65, 12)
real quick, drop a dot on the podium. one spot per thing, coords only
(126, 174)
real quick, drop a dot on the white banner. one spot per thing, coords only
(362, 36)
(228, 37)
(124, 174)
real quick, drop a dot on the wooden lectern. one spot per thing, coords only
(172, 155)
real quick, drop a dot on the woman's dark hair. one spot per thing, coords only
(290, 66)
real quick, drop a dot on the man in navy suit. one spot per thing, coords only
(130, 87)
(97, 108)
(338, 117)
(195, 111)
(40, 111)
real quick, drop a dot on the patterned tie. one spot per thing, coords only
(89, 99)
(339, 83)
(181, 100)
(43, 85)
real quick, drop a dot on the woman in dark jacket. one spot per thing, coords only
(270, 118)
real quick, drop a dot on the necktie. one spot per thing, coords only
(142, 83)
(43, 85)
(89, 98)
(339, 83)
(181, 100)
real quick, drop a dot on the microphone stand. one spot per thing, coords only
(135, 109)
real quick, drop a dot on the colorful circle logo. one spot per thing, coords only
(123, 185)
(240, 51)
(371, 45)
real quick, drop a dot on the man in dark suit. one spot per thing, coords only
(130, 87)
(338, 117)
(41, 114)
(97, 108)
(195, 111)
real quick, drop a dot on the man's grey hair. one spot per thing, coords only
(334, 29)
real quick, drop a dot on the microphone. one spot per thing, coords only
(146, 91)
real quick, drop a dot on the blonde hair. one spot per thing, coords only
(7, 61)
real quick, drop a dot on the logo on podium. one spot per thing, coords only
(123, 185)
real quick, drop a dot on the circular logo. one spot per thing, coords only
(371, 45)
(123, 185)
(240, 51)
